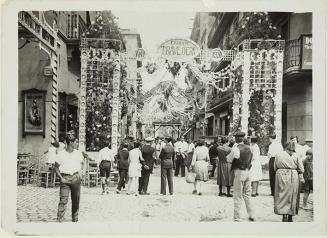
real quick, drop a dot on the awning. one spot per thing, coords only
(68, 83)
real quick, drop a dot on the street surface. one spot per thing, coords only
(37, 204)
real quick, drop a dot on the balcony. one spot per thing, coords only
(298, 55)
(220, 100)
(75, 27)
(33, 24)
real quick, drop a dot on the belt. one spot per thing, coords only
(69, 174)
(285, 169)
(242, 169)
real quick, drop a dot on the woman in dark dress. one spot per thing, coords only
(224, 173)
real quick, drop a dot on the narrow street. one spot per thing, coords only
(128, 89)
(36, 204)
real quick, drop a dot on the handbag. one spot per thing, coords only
(190, 177)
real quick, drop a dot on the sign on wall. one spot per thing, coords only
(307, 52)
(34, 112)
(179, 50)
(140, 54)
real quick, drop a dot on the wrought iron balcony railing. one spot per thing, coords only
(298, 54)
(75, 26)
(292, 55)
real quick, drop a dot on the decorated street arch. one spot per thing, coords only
(254, 73)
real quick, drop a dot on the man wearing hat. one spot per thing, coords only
(241, 157)
(148, 154)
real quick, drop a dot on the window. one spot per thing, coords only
(285, 30)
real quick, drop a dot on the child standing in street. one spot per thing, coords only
(308, 177)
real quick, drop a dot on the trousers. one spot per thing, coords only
(242, 191)
(123, 175)
(144, 180)
(166, 175)
(180, 165)
(272, 175)
(72, 186)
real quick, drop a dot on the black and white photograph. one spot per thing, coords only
(203, 116)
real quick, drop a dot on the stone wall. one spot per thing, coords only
(298, 95)
(31, 61)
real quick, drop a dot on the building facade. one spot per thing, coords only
(296, 30)
(49, 84)
(49, 62)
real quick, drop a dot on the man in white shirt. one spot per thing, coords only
(241, 157)
(274, 148)
(68, 167)
(106, 158)
(181, 148)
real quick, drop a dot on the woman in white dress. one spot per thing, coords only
(256, 169)
(134, 168)
(200, 166)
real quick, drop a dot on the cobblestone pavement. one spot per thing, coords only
(36, 204)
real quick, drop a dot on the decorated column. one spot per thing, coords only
(245, 92)
(82, 104)
(54, 102)
(278, 96)
(115, 106)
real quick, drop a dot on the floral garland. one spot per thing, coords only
(104, 26)
(151, 67)
(99, 109)
(261, 120)
(253, 25)
(98, 117)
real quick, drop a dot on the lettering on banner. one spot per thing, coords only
(180, 50)
(217, 55)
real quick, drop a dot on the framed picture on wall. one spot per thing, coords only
(34, 112)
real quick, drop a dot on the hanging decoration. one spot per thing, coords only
(173, 68)
(151, 67)
(257, 77)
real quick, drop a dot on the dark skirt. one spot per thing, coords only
(225, 176)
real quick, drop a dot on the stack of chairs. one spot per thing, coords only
(114, 176)
(23, 168)
(45, 175)
(92, 174)
(33, 174)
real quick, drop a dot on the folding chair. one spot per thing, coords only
(23, 168)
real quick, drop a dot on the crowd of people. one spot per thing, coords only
(235, 162)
